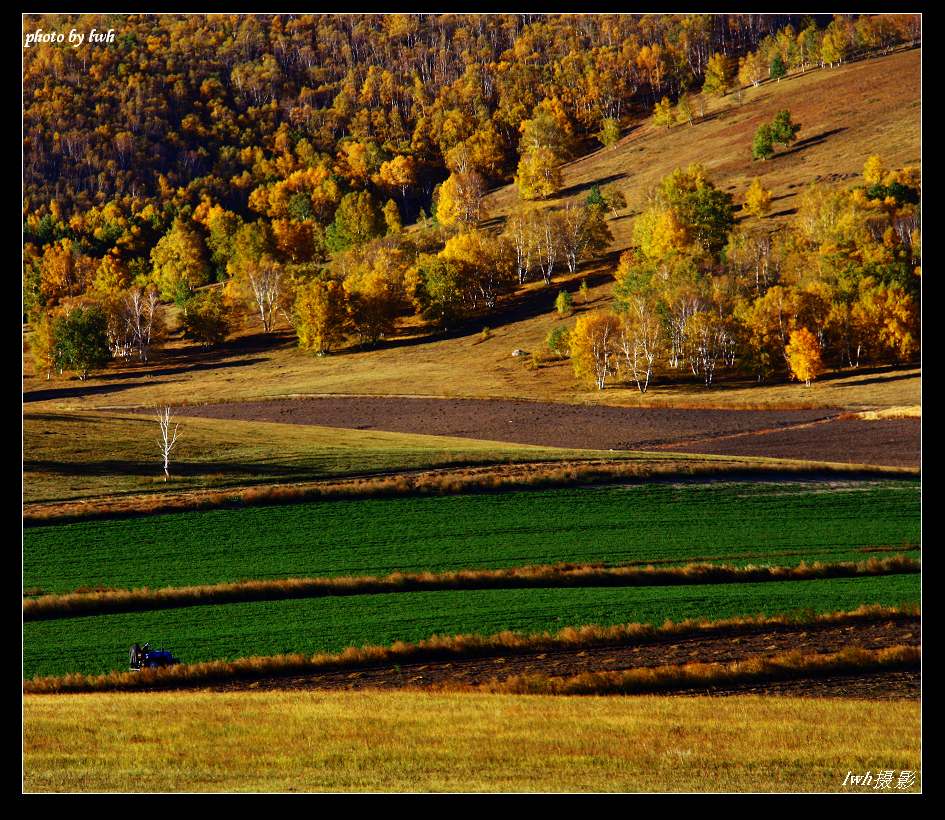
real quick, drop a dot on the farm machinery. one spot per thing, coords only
(144, 657)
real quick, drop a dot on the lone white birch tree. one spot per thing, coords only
(168, 439)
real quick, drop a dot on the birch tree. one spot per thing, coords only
(640, 337)
(593, 344)
(263, 284)
(549, 243)
(522, 232)
(168, 438)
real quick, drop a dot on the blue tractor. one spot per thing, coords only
(144, 657)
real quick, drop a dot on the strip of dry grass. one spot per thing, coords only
(438, 648)
(681, 677)
(912, 411)
(73, 605)
(454, 482)
(423, 742)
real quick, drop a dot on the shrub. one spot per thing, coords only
(557, 341)
(80, 340)
(564, 304)
(205, 318)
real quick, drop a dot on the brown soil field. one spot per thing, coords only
(472, 671)
(800, 434)
(887, 442)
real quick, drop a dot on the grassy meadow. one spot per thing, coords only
(403, 741)
(79, 455)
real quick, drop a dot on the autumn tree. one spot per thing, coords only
(521, 230)
(718, 75)
(357, 221)
(80, 340)
(398, 174)
(751, 69)
(180, 259)
(391, 215)
(436, 288)
(609, 134)
(583, 232)
(539, 174)
(564, 304)
(594, 347)
(375, 290)
(640, 338)
(320, 315)
(261, 283)
(43, 344)
(663, 113)
(459, 199)
(686, 212)
(684, 110)
(804, 356)
(484, 267)
(207, 320)
(757, 199)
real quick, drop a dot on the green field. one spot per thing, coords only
(756, 523)
(100, 643)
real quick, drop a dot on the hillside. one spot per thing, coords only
(879, 115)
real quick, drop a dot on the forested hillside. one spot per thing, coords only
(331, 172)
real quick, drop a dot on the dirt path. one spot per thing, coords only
(567, 662)
(819, 434)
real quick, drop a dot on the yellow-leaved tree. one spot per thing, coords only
(320, 315)
(804, 356)
(663, 113)
(757, 199)
(459, 199)
(873, 170)
(539, 174)
(594, 344)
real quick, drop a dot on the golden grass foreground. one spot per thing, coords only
(438, 647)
(76, 604)
(412, 741)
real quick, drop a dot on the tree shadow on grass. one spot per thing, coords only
(85, 390)
(808, 142)
(182, 469)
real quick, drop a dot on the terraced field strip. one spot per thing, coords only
(98, 644)
(77, 604)
(738, 523)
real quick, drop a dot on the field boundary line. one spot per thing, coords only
(80, 604)
(446, 648)
(680, 677)
(456, 481)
